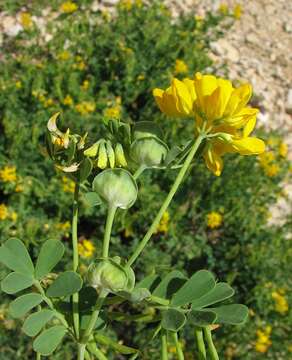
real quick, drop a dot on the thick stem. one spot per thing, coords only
(108, 229)
(201, 344)
(179, 352)
(164, 355)
(75, 297)
(167, 201)
(81, 351)
(211, 347)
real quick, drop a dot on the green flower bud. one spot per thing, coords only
(144, 129)
(149, 151)
(120, 156)
(108, 275)
(110, 154)
(102, 156)
(225, 137)
(116, 187)
(92, 150)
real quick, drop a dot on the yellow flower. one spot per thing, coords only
(85, 85)
(214, 219)
(80, 65)
(68, 100)
(113, 112)
(237, 11)
(8, 174)
(64, 228)
(18, 188)
(141, 77)
(18, 84)
(263, 341)
(220, 110)
(223, 9)
(13, 216)
(48, 102)
(283, 150)
(68, 7)
(271, 169)
(68, 185)
(64, 55)
(25, 20)
(3, 212)
(281, 304)
(163, 225)
(126, 4)
(266, 158)
(180, 67)
(86, 248)
(85, 107)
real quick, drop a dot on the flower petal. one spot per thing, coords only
(248, 146)
(213, 161)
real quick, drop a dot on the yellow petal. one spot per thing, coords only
(165, 101)
(250, 125)
(190, 84)
(242, 118)
(205, 85)
(238, 99)
(184, 103)
(213, 161)
(248, 146)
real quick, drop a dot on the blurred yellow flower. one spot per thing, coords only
(263, 341)
(271, 169)
(65, 228)
(283, 150)
(18, 188)
(214, 219)
(64, 55)
(26, 20)
(3, 212)
(163, 225)
(85, 85)
(113, 112)
(85, 107)
(68, 185)
(48, 102)
(266, 157)
(80, 65)
(180, 67)
(281, 303)
(223, 9)
(86, 248)
(8, 174)
(219, 109)
(141, 77)
(13, 216)
(126, 4)
(68, 100)
(237, 11)
(68, 7)
(18, 84)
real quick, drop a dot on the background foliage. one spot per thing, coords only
(92, 65)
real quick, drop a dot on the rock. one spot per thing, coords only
(288, 105)
(110, 2)
(10, 26)
(223, 48)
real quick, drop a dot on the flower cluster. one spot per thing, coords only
(8, 174)
(86, 248)
(214, 219)
(85, 107)
(219, 110)
(163, 226)
(281, 303)
(68, 185)
(68, 7)
(263, 341)
(5, 213)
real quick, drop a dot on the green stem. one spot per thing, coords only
(179, 352)
(94, 316)
(164, 355)
(75, 297)
(108, 229)
(81, 351)
(167, 201)
(139, 171)
(95, 351)
(38, 356)
(201, 344)
(211, 346)
(50, 304)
